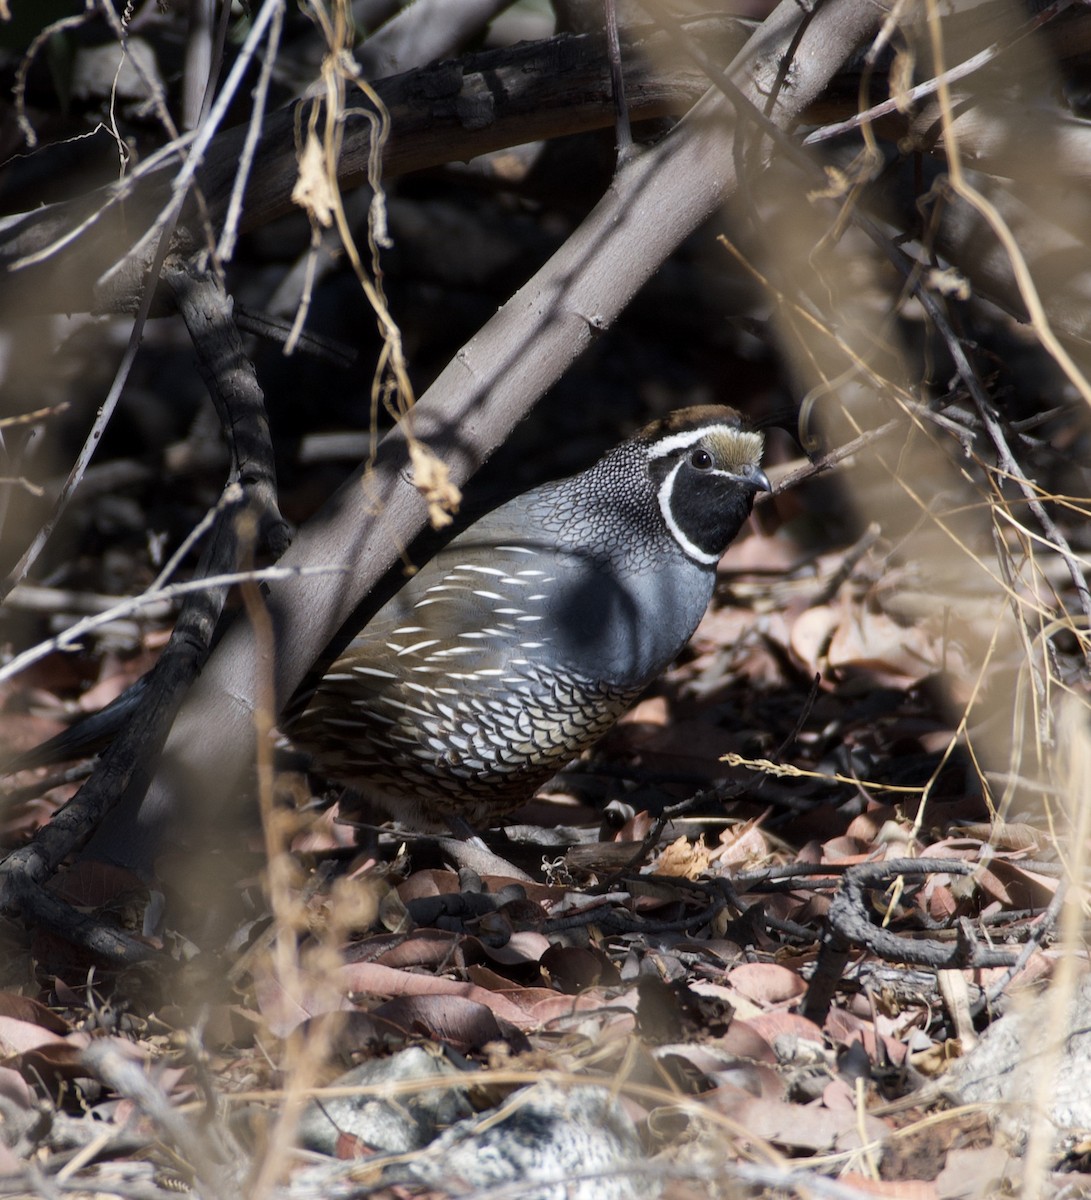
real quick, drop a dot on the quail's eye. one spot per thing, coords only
(701, 459)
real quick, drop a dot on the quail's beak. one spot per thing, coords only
(757, 479)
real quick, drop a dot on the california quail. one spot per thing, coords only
(529, 634)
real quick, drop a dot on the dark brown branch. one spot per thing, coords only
(233, 385)
(480, 103)
(849, 925)
(147, 711)
(450, 111)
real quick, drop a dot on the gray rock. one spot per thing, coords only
(400, 1121)
(578, 1143)
(1004, 1069)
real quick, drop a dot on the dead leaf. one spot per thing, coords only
(844, 1028)
(312, 191)
(684, 859)
(766, 983)
(1018, 887)
(781, 1024)
(811, 634)
(1005, 835)
(895, 1189)
(877, 643)
(653, 710)
(456, 1021)
(744, 1041)
(25, 1008)
(433, 480)
(371, 979)
(574, 969)
(16, 1037)
(801, 1126)
(966, 1170)
(744, 844)
(14, 1088)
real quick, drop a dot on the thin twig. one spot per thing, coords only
(1006, 461)
(217, 59)
(21, 661)
(922, 90)
(118, 193)
(617, 84)
(215, 1172)
(18, 91)
(198, 142)
(28, 597)
(150, 82)
(960, 185)
(315, 345)
(232, 494)
(225, 248)
(102, 419)
(198, 73)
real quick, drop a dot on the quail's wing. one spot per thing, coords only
(459, 671)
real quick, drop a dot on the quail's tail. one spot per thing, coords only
(86, 737)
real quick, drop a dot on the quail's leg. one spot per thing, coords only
(354, 810)
(464, 832)
(467, 851)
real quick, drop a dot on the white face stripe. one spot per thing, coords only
(679, 441)
(694, 552)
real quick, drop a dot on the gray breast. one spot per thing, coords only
(622, 623)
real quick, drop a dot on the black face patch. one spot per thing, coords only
(706, 479)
